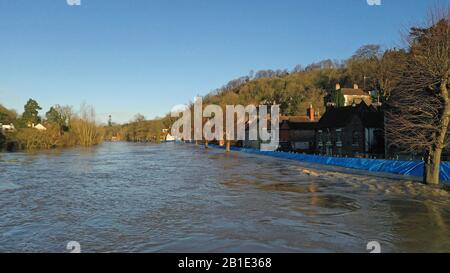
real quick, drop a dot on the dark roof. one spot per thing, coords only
(299, 119)
(302, 125)
(298, 122)
(373, 119)
(293, 122)
(339, 117)
(295, 118)
(354, 92)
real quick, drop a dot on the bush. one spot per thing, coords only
(2, 141)
(86, 132)
(32, 139)
(83, 133)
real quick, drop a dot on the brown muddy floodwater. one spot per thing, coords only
(121, 197)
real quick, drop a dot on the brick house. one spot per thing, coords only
(356, 130)
(297, 133)
(256, 143)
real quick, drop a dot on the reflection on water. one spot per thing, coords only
(173, 197)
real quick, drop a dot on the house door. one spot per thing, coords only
(329, 150)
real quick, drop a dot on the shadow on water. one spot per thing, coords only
(421, 226)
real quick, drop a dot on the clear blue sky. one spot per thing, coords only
(129, 56)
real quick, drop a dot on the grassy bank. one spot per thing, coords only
(61, 128)
(82, 133)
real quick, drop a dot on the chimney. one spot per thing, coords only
(311, 113)
(338, 86)
(355, 86)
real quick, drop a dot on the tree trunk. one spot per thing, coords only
(432, 167)
(206, 144)
(433, 162)
(228, 148)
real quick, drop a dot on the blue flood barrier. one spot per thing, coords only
(399, 167)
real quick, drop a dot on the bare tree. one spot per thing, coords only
(419, 113)
(367, 52)
(389, 71)
(85, 127)
(364, 65)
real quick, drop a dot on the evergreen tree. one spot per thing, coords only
(31, 112)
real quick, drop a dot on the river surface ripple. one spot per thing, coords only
(122, 197)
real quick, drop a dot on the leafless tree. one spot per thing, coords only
(390, 67)
(419, 113)
(85, 127)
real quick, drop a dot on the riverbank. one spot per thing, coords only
(81, 133)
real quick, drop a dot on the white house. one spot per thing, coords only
(169, 137)
(354, 95)
(40, 127)
(5, 128)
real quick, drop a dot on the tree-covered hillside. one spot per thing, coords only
(370, 68)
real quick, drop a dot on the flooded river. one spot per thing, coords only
(121, 197)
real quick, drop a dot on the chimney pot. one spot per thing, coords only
(311, 113)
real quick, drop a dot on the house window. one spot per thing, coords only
(319, 137)
(356, 138)
(338, 137)
(301, 145)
